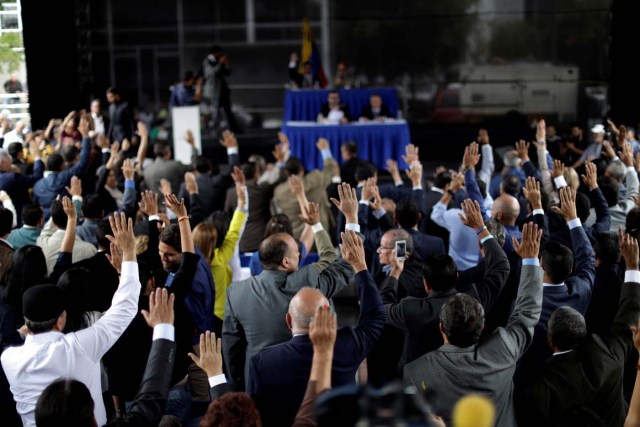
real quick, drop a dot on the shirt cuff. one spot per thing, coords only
(485, 238)
(632, 276)
(418, 187)
(538, 212)
(217, 380)
(317, 227)
(292, 64)
(106, 150)
(281, 164)
(243, 210)
(379, 213)
(326, 154)
(232, 150)
(531, 261)
(574, 223)
(129, 269)
(164, 331)
(352, 227)
(398, 183)
(630, 169)
(154, 218)
(560, 181)
(364, 202)
(76, 198)
(129, 183)
(336, 180)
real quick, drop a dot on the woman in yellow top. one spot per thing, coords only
(205, 237)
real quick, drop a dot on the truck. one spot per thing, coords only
(532, 89)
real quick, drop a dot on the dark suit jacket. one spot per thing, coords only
(6, 260)
(368, 113)
(589, 376)
(324, 110)
(348, 171)
(606, 295)
(148, 407)
(279, 396)
(431, 197)
(17, 186)
(603, 221)
(419, 318)
(105, 280)
(426, 245)
(121, 123)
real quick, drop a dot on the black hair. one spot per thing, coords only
(77, 283)
(365, 170)
(114, 90)
(607, 247)
(583, 206)
(6, 221)
(293, 166)
(511, 184)
(65, 403)
(203, 165)
(440, 272)
(350, 147)
(610, 189)
(55, 162)
(160, 148)
(442, 179)
(58, 216)
(407, 213)
(92, 206)
(279, 223)
(567, 328)
(272, 250)
(171, 236)
(14, 149)
(557, 261)
(40, 327)
(462, 319)
(28, 268)
(188, 76)
(104, 230)
(32, 214)
(69, 153)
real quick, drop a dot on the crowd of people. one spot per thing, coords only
(507, 297)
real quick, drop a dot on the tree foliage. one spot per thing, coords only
(10, 60)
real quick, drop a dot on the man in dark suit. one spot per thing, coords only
(6, 250)
(376, 110)
(430, 198)
(121, 122)
(419, 318)
(586, 370)
(488, 364)
(68, 402)
(17, 185)
(568, 281)
(334, 111)
(255, 307)
(350, 162)
(407, 216)
(278, 396)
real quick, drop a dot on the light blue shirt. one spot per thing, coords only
(463, 241)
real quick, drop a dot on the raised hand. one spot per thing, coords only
(629, 249)
(322, 144)
(608, 150)
(296, 186)
(143, 132)
(376, 202)
(190, 183)
(284, 139)
(529, 246)
(83, 127)
(149, 203)
(323, 330)
(622, 135)
(241, 195)
(311, 213)
(160, 308)
(76, 187)
(69, 209)
(123, 236)
(471, 156)
(532, 192)
(175, 206)
(128, 169)
(472, 214)
(229, 139)
(567, 207)
(210, 360)
(558, 169)
(279, 153)
(483, 137)
(115, 257)
(348, 203)
(522, 148)
(238, 176)
(367, 190)
(165, 187)
(352, 250)
(411, 154)
(541, 131)
(626, 155)
(415, 173)
(188, 136)
(33, 148)
(590, 179)
(457, 182)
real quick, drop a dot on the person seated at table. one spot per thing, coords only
(333, 111)
(376, 110)
(306, 79)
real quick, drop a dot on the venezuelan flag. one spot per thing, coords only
(310, 53)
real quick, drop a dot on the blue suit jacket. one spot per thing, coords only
(278, 375)
(17, 186)
(426, 245)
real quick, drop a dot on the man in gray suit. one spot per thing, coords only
(165, 167)
(464, 364)
(256, 307)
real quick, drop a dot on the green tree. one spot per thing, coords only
(10, 59)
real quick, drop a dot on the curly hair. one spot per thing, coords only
(231, 410)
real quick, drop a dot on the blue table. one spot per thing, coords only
(304, 104)
(377, 142)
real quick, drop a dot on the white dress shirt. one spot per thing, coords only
(51, 356)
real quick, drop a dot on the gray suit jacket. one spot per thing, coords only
(487, 368)
(172, 170)
(254, 316)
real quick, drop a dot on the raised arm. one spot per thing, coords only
(296, 186)
(533, 194)
(326, 252)
(528, 303)
(487, 166)
(522, 148)
(81, 166)
(237, 222)
(603, 217)
(440, 208)
(98, 338)
(143, 132)
(469, 161)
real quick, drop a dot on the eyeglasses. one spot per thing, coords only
(386, 247)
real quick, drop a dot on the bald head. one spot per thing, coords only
(506, 209)
(303, 307)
